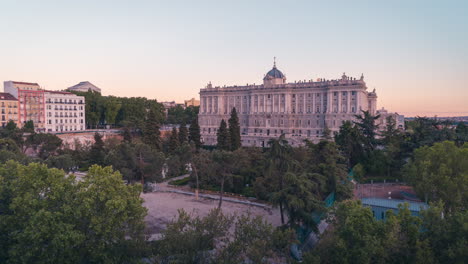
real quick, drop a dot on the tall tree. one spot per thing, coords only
(393, 141)
(368, 128)
(151, 133)
(173, 140)
(96, 155)
(461, 133)
(279, 160)
(223, 137)
(127, 135)
(112, 106)
(225, 164)
(348, 141)
(325, 159)
(301, 196)
(234, 130)
(150, 163)
(183, 133)
(194, 133)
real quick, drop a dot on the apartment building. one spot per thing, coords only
(9, 109)
(64, 112)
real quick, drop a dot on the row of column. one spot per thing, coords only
(212, 104)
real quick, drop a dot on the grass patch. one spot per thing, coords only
(180, 182)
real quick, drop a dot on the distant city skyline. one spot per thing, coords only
(414, 53)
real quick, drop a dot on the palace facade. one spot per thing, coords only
(300, 110)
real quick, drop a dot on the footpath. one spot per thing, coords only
(165, 187)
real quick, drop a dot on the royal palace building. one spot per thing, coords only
(300, 110)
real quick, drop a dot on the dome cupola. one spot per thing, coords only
(274, 76)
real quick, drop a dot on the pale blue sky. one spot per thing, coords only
(415, 53)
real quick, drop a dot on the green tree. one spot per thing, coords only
(225, 164)
(278, 163)
(97, 154)
(174, 166)
(49, 218)
(301, 195)
(194, 133)
(224, 239)
(355, 238)
(151, 133)
(64, 162)
(112, 107)
(325, 159)
(366, 124)
(124, 159)
(183, 133)
(28, 127)
(173, 140)
(150, 163)
(43, 144)
(461, 133)
(440, 173)
(347, 139)
(10, 151)
(446, 233)
(188, 238)
(393, 141)
(127, 135)
(11, 126)
(234, 130)
(223, 137)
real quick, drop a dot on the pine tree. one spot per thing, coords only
(368, 129)
(194, 133)
(223, 136)
(127, 136)
(173, 140)
(96, 155)
(183, 133)
(326, 135)
(151, 134)
(234, 130)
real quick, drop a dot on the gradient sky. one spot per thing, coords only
(415, 53)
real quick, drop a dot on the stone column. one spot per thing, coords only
(304, 103)
(264, 104)
(313, 102)
(348, 102)
(339, 102)
(322, 97)
(358, 103)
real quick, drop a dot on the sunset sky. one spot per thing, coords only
(414, 53)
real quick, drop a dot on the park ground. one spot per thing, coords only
(163, 206)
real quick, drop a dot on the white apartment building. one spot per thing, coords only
(300, 110)
(64, 112)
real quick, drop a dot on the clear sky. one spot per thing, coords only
(415, 53)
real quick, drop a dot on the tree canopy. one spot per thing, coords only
(46, 217)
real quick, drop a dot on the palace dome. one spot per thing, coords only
(273, 74)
